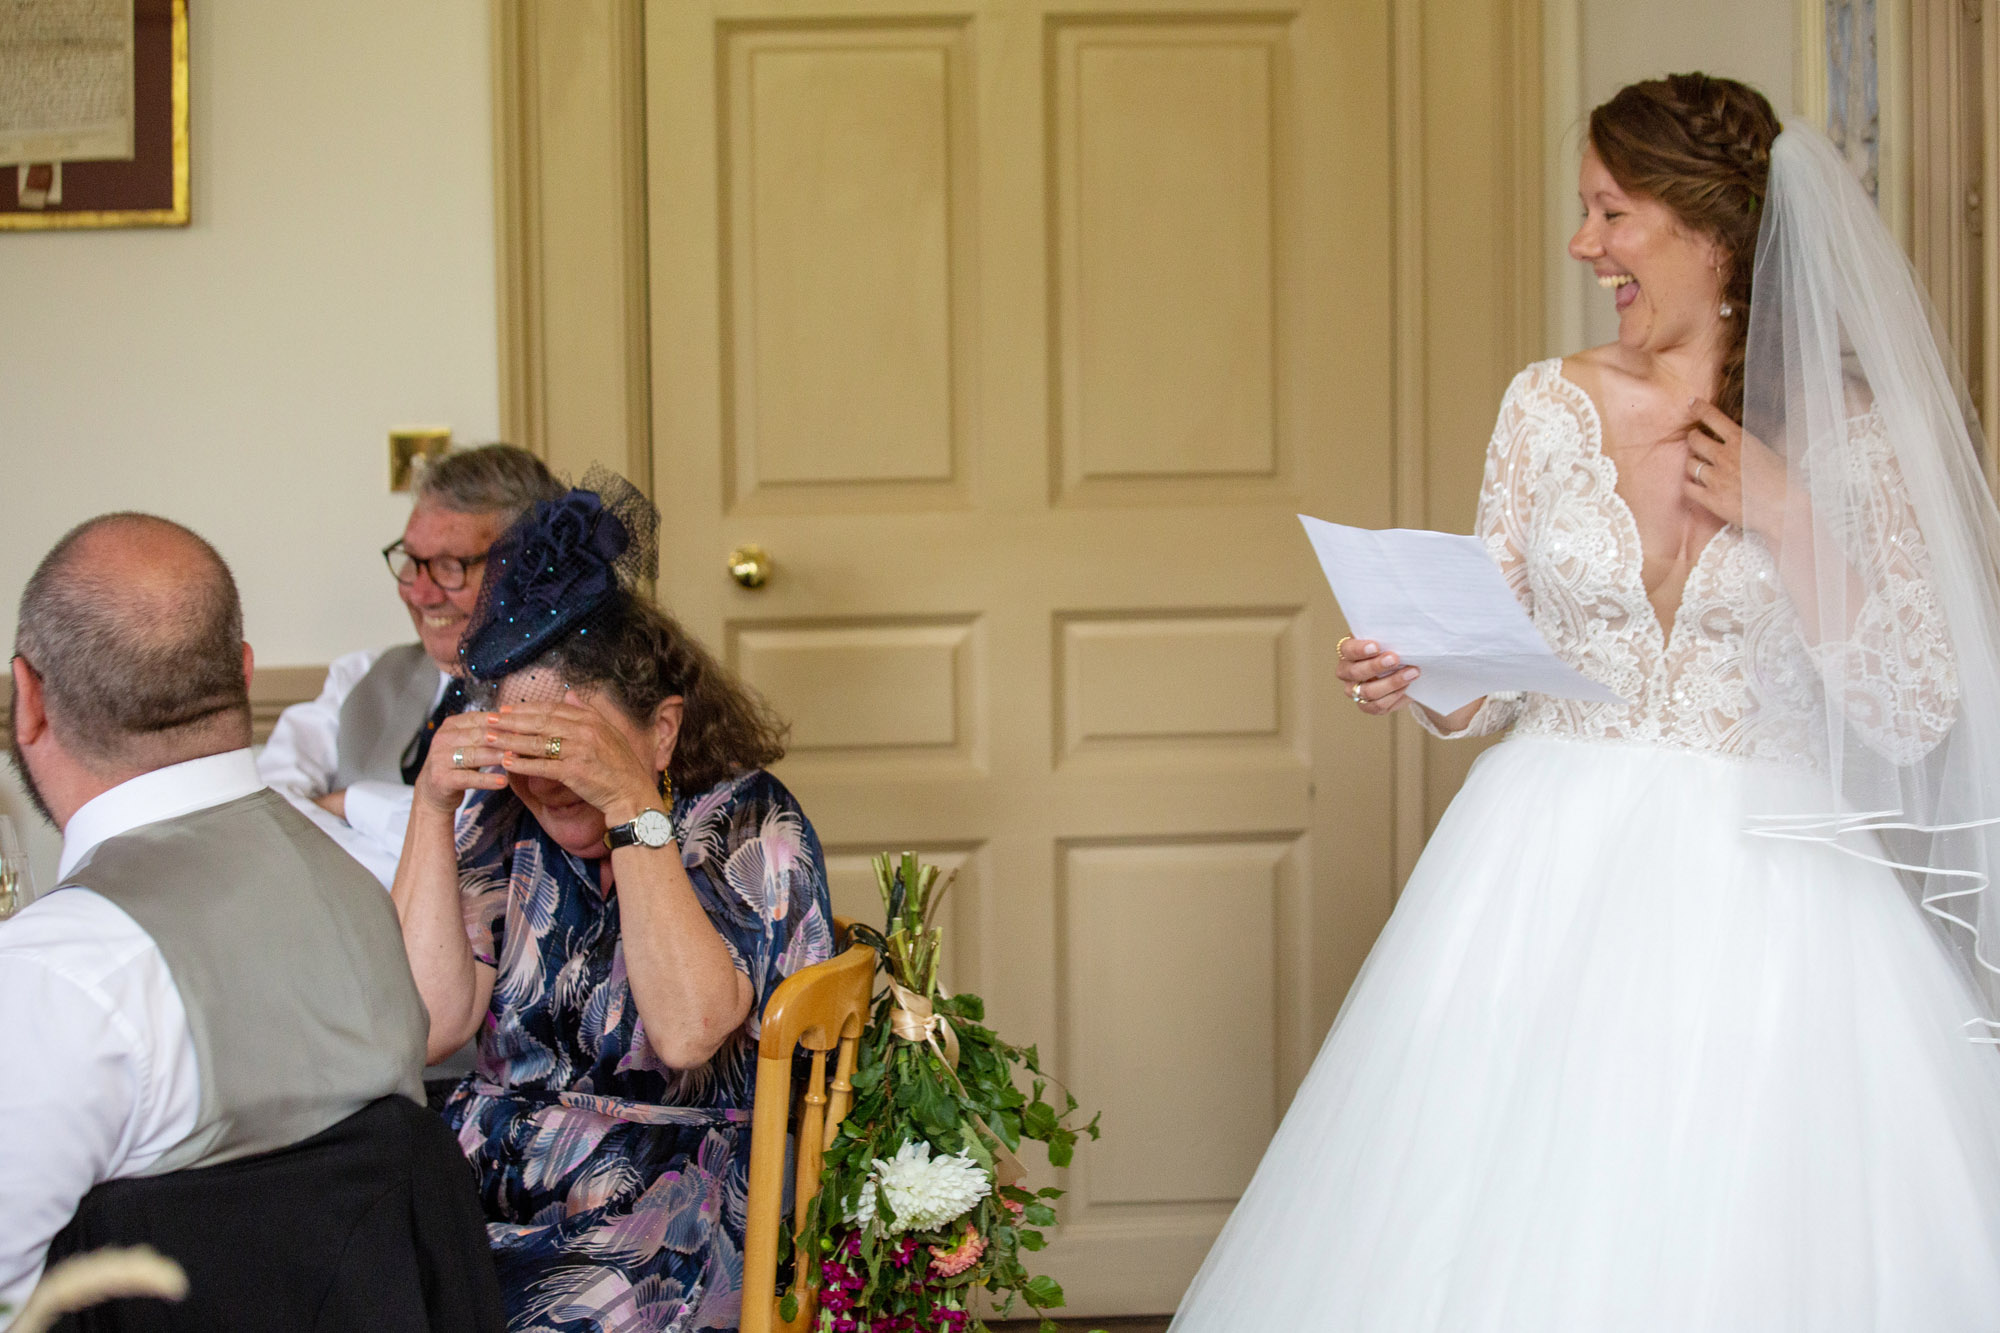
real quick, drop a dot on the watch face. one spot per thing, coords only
(653, 828)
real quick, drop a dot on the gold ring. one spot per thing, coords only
(552, 749)
(458, 759)
(1355, 694)
(1345, 639)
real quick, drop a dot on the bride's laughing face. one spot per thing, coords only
(1664, 279)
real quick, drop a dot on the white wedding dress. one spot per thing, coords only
(1616, 1064)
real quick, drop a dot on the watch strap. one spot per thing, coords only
(627, 834)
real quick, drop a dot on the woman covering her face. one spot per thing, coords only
(608, 909)
(1679, 1022)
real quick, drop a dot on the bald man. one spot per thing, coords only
(212, 980)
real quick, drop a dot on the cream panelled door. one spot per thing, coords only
(1016, 333)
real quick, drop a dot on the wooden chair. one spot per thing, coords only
(822, 1007)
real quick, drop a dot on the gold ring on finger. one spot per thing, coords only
(1355, 694)
(1699, 467)
(458, 759)
(552, 748)
(1345, 639)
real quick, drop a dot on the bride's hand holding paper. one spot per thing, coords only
(1375, 678)
(1459, 633)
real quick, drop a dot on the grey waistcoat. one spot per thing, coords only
(289, 960)
(382, 715)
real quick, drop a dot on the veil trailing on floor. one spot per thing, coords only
(1849, 383)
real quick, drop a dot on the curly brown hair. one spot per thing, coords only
(1701, 146)
(643, 656)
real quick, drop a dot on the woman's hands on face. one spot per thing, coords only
(442, 783)
(596, 761)
(1371, 676)
(1720, 473)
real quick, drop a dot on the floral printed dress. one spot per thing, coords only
(614, 1186)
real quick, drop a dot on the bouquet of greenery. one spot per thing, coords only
(921, 1202)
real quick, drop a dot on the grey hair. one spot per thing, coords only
(135, 676)
(499, 479)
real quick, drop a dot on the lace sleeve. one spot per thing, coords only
(1893, 673)
(1502, 526)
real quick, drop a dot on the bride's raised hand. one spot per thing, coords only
(1371, 677)
(1727, 463)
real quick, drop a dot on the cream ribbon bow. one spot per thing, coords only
(914, 1019)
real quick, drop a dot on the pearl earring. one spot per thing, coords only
(1727, 310)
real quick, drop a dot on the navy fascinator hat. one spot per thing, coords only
(562, 565)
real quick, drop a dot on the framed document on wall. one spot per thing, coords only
(93, 114)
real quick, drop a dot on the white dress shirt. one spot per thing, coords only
(101, 1077)
(303, 755)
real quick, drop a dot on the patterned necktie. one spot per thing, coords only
(420, 745)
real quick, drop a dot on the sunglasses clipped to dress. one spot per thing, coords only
(447, 571)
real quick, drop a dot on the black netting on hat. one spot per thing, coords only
(562, 568)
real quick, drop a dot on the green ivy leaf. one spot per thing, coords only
(1044, 1293)
(1039, 1215)
(1032, 1240)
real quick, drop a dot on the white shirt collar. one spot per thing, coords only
(164, 793)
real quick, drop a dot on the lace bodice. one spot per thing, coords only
(1735, 675)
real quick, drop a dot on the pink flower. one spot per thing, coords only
(1015, 1208)
(952, 1262)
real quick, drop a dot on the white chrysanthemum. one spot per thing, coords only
(921, 1192)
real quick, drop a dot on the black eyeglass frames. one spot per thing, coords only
(447, 571)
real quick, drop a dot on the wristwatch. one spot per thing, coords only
(650, 828)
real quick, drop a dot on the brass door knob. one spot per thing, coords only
(749, 566)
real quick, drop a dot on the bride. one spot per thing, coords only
(1676, 1025)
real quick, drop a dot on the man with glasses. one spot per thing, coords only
(348, 757)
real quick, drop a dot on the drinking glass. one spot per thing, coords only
(17, 883)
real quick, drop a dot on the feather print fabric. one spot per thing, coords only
(614, 1187)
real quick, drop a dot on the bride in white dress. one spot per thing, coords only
(1666, 1032)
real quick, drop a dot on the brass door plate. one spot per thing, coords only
(408, 444)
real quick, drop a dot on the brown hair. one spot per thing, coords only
(643, 656)
(137, 676)
(1702, 147)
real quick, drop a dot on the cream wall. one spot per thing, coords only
(1611, 43)
(240, 375)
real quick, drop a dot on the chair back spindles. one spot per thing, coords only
(842, 1099)
(822, 1008)
(811, 1137)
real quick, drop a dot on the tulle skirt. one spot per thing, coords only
(1615, 1065)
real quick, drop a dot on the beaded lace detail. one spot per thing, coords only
(1735, 674)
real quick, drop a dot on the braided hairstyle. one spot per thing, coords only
(1701, 146)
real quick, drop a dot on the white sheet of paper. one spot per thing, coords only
(1440, 603)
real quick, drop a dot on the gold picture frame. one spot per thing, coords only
(173, 210)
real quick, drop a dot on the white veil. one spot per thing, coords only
(1848, 381)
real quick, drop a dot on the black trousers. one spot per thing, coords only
(369, 1225)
